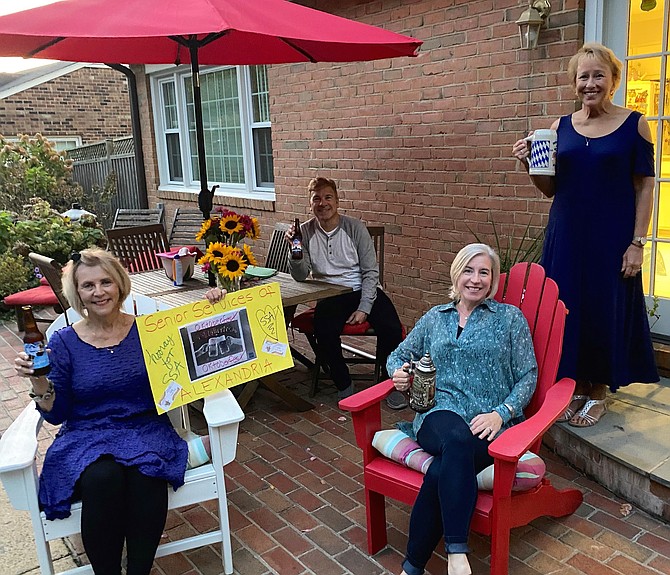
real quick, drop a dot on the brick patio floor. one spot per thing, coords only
(296, 502)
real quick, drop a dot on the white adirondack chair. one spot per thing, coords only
(18, 471)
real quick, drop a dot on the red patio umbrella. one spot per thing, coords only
(233, 32)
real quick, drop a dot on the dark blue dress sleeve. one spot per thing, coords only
(61, 377)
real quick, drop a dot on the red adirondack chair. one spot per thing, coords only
(499, 510)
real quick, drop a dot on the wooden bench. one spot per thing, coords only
(130, 218)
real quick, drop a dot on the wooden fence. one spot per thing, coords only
(94, 162)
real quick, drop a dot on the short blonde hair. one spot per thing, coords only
(92, 257)
(598, 52)
(464, 257)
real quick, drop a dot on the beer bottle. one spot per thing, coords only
(296, 242)
(34, 344)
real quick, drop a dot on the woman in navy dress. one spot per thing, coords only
(113, 451)
(595, 238)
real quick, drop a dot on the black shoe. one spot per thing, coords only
(397, 400)
(347, 392)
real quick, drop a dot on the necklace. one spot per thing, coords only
(588, 141)
(464, 316)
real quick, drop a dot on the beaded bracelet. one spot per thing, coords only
(46, 396)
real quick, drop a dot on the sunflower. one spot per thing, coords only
(248, 255)
(215, 254)
(255, 231)
(204, 228)
(230, 224)
(233, 265)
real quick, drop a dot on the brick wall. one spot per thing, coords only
(89, 102)
(421, 145)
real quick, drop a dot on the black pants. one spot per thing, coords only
(330, 316)
(121, 504)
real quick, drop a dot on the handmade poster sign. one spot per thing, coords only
(198, 349)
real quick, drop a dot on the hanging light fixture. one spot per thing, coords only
(647, 5)
(532, 19)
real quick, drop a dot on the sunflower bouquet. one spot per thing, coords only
(225, 256)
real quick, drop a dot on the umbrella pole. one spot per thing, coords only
(205, 197)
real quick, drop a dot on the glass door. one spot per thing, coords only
(646, 90)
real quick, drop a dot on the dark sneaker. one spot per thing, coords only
(344, 393)
(397, 400)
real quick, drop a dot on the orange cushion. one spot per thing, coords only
(41, 295)
(304, 323)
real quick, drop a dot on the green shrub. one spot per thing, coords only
(16, 275)
(42, 229)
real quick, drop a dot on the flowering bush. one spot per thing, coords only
(32, 168)
(222, 234)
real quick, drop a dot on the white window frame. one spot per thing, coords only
(251, 124)
(250, 189)
(55, 140)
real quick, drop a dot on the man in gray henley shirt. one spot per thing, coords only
(339, 249)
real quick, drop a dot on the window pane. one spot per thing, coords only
(263, 155)
(663, 229)
(642, 85)
(259, 93)
(662, 270)
(174, 157)
(169, 106)
(645, 32)
(222, 127)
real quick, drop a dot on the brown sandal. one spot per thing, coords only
(576, 403)
(584, 417)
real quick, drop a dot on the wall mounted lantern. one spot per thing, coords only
(532, 19)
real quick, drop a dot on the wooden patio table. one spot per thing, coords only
(156, 285)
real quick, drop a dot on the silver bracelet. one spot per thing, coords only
(46, 396)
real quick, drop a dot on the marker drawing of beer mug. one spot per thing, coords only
(543, 145)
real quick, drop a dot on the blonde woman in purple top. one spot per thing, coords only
(113, 451)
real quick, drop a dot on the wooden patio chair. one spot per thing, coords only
(52, 272)
(304, 323)
(48, 294)
(185, 226)
(18, 470)
(129, 218)
(278, 250)
(137, 247)
(497, 511)
(42, 296)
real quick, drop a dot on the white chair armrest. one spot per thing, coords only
(222, 409)
(223, 415)
(18, 445)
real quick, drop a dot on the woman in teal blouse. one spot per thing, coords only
(486, 375)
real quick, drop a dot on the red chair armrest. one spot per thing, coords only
(366, 415)
(514, 442)
(367, 397)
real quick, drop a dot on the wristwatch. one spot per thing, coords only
(639, 241)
